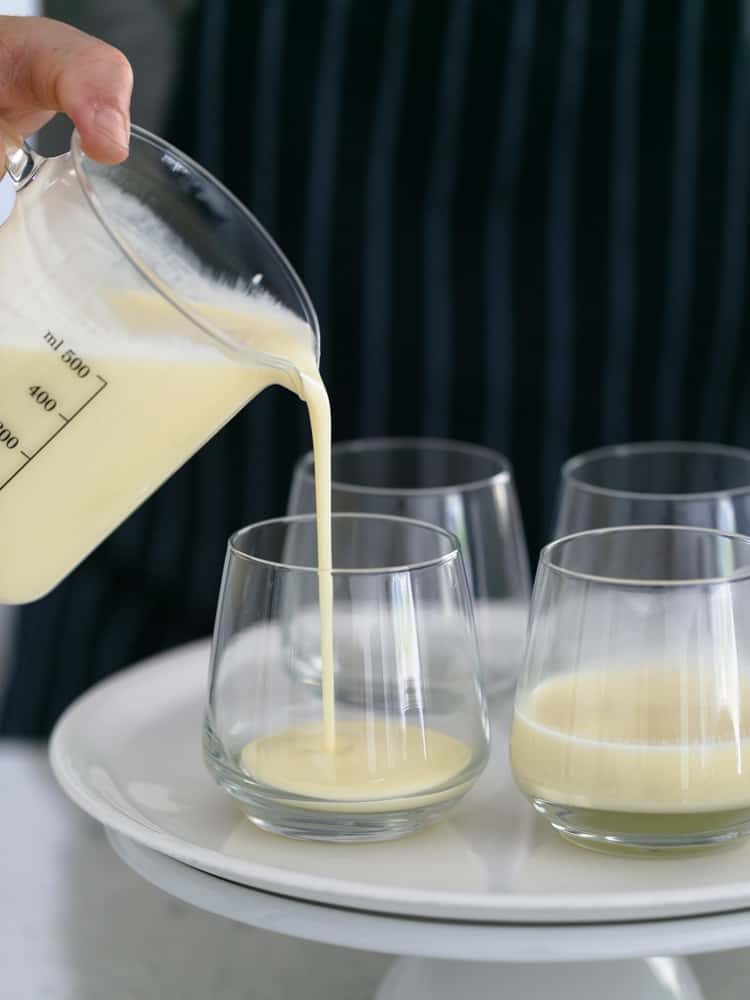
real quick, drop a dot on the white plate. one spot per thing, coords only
(129, 753)
(467, 943)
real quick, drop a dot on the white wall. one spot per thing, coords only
(7, 197)
(20, 6)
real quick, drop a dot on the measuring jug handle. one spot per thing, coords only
(21, 162)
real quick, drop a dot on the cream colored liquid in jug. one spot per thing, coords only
(105, 390)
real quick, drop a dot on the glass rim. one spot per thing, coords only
(546, 560)
(214, 332)
(504, 473)
(573, 464)
(440, 560)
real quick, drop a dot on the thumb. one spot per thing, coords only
(48, 66)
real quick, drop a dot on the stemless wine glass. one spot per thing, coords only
(660, 482)
(631, 727)
(464, 488)
(395, 759)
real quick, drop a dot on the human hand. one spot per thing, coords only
(47, 66)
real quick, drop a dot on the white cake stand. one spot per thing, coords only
(444, 959)
(505, 905)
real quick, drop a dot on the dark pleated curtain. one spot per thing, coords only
(523, 224)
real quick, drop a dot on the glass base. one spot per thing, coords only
(614, 832)
(276, 815)
(341, 827)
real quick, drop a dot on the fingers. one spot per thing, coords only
(47, 66)
(94, 90)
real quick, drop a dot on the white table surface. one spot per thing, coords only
(76, 924)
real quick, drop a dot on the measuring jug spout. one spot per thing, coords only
(287, 375)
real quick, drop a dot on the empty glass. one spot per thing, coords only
(661, 482)
(464, 488)
(412, 741)
(632, 713)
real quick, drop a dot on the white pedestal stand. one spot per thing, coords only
(465, 961)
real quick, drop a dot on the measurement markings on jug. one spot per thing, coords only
(43, 398)
(6, 437)
(11, 432)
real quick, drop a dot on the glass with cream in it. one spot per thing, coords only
(631, 727)
(393, 759)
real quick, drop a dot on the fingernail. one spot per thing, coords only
(113, 124)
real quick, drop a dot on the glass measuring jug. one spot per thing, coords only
(142, 307)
